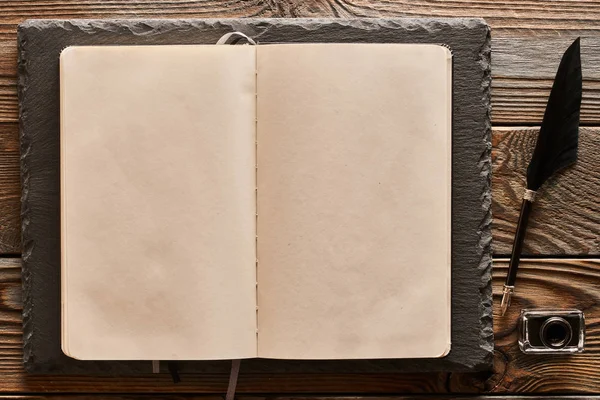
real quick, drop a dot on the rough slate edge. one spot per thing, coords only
(40, 42)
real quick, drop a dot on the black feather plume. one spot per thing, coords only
(555, 149)
(556, 145)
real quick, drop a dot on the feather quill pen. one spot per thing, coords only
(556, 148)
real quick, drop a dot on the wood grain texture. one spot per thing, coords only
(566, 216)
(523, 69)
(401, 397)
(549, 283)
(541, 283)
(282, 397)
(522, 32)
(10, 190)
(566, 219)
(506, 15)
(527, 38)
(13, 12)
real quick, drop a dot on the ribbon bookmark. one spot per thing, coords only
(234, 37)
(233, 378)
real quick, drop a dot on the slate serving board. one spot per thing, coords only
(40, 43)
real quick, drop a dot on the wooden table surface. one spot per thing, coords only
(562, 263)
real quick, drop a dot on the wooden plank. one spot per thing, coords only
(505, 15)
(142, 397)
(523, 70)
(285, 397)
(13, 12)
(522, 100)
(502, 16)
(17, 381)
(566, 217)
(9, 106)
(423, 397)
(395, 397)
(565, 220)
(541, 283)
(10, 190)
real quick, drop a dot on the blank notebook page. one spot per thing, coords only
(158, 202)
(183, 165)
(354, 182)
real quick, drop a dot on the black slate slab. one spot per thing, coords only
(40, 43)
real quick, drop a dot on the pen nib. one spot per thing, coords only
(507, 293)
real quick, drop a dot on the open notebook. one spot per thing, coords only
(282, 201)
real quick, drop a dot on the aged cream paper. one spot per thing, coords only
(354, 192)
(158, 202)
